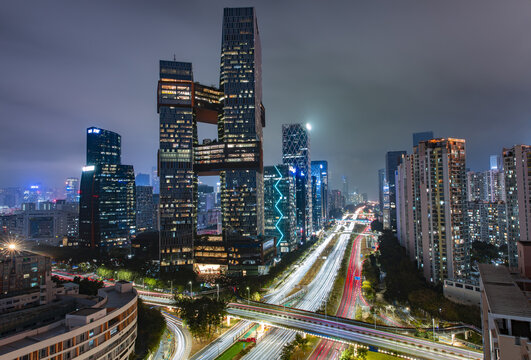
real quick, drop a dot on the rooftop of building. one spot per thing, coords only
(80, 305)
(504, 296)
(9, 254)
(86, 311)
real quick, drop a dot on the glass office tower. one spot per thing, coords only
(242, 120)
(279, 206)
(107, 205)
(296, 152)
(392, 160)
(319, 193)
(177, 135)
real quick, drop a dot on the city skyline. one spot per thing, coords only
(364, 103)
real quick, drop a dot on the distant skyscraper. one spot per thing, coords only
(142, 179)
(319, 170)
(422, 136)
(475, 186)
(337, 200)
(144, 208)
(296, 152)
(381, 182)
(345, 192)
(208, 215)
(517, 169)
(33, 194)
(392, 160)
(496, 162)
(103, 147)
(155, 180)
(72, 189)
(279, 207)
(432, 198)
(107, 203)
(10, 197)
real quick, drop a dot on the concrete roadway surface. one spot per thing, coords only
(181, 337)
(212, 350)
(328, 349)
(334, 329)
(271, 345)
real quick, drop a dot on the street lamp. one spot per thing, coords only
(248, 295)
(191, 293)
(217, 288)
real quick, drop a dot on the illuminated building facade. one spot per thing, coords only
(432, 214)
(381, 181)
(144, 208)
(72, 189)
(241, 123)
(236, 156)
(181, 103)
(487, 222)
(517, 170)
(392, 160)
(279, 207)
(319, 171)
(296, 152)
(107, 205)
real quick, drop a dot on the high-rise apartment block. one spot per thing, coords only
(279, 207)
(107, 206)
(296, 152)
(487, 222)
(517, 170)
(431, 187)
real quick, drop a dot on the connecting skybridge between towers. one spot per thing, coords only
(211, 158)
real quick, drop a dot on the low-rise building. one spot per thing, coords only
(464, 292)
(73, 327)
(505, 308)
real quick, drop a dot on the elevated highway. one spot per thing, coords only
(350, 331)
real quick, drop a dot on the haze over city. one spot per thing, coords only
(364, 74)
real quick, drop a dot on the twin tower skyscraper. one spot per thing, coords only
(236, 156)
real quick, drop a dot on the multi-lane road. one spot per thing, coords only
(326, 349)
(271, 346)
(338, 330)
(182, 339)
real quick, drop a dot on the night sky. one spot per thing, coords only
(365, 74)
